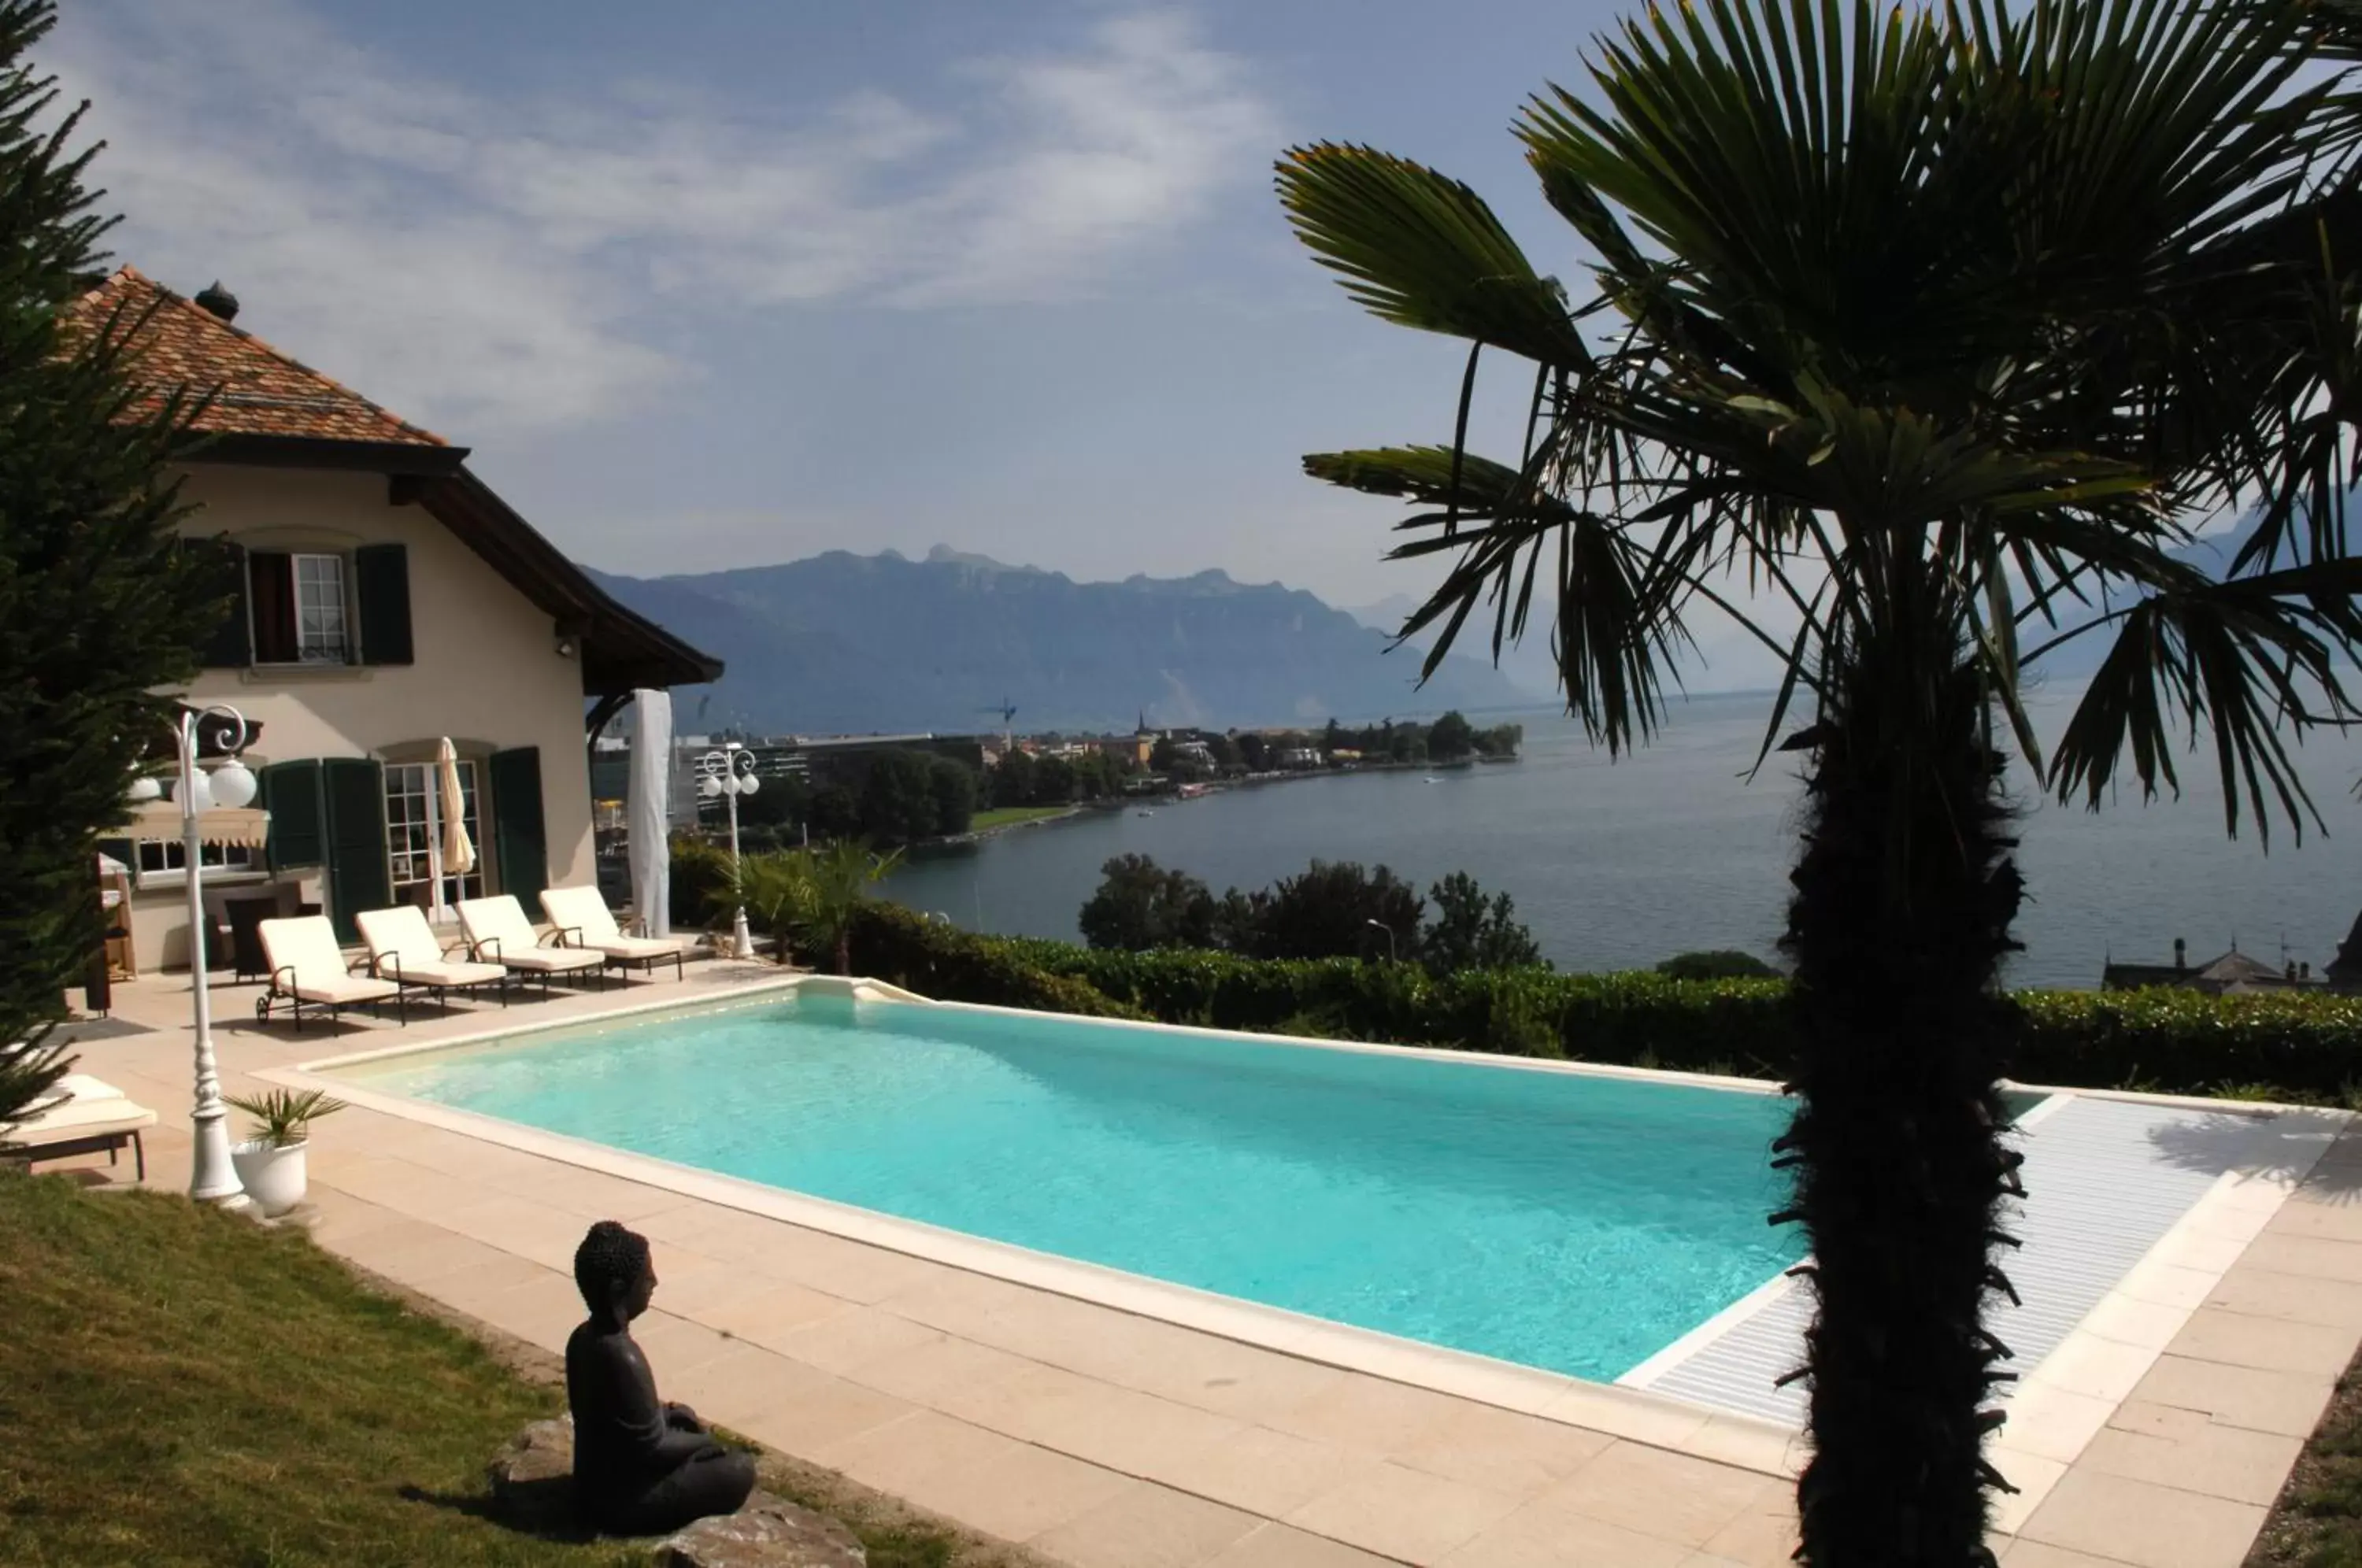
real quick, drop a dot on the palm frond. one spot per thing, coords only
(1614, 631)
(1419, 249)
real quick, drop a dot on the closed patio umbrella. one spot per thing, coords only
(456, 853)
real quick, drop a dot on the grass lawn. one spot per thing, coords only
(2318, 1521)
(1006, 816)
(179, 1385)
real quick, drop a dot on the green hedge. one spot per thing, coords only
(2267, 1047)
(894, 944)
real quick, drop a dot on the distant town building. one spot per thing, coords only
(2345, 971)
(2232, 974)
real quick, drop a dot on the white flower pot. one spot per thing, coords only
(272, 1174)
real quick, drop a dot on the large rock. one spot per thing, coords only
(768, 1532)
(533, 1477)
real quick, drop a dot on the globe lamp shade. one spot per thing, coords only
(749, 784)
(200, 796)
(145, 789)
(708, 786)
(233, 784)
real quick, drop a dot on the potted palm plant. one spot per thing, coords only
(270, 1162)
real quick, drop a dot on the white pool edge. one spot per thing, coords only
(2235, 1209)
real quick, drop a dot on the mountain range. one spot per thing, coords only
(848, 643)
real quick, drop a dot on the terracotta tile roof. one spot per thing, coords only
(261, 391)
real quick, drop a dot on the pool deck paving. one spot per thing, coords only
(1100, 1438)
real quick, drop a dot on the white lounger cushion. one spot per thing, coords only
(80, 1086)
(440, 972)
(405, 951)
(79, 1107)
(308, 944)
(501, 921)
(582, 910)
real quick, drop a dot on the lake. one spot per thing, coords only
(1620, 865)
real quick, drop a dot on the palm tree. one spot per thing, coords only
(774, 889)
(1939, 336)
(840, 874)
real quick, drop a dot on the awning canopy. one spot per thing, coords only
(223, 824)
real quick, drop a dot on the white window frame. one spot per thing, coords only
(401, 831)
(222, 862)
(332, 643)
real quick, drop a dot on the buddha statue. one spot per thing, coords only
(641, 1467)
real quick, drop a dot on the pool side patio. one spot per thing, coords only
(1104, 1439)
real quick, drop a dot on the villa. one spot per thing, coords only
(387, 597)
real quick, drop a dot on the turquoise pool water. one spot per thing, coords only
(1565, 1221)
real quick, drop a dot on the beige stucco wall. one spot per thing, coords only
(488, 672)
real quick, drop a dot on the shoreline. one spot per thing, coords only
(1211, 787)
(978, 835)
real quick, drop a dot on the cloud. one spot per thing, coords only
(489, 264)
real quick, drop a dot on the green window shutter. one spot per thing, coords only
(354, 788)
(519, 844)
(381, 582)
(290, 793)
(229, 648)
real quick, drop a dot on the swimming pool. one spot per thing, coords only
(1569, 1221)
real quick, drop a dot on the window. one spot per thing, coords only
(410, 821)
(164, 862)
(300, 615)
(320, 610)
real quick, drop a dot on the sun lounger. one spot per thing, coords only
(402, 949)
(583, 919)
(308, 969)
(498, 933)
(80, 1115)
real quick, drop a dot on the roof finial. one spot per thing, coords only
(215, 299)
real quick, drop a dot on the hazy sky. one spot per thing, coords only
(727, 283)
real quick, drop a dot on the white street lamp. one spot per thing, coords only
(730, 773)
(212, 1177)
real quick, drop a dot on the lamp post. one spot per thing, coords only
(730, 773)
(212, 1177)
(1390, 938)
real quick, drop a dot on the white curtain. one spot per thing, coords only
(645, 822)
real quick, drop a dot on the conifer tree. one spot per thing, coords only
(98, 608)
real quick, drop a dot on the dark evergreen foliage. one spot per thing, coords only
(97, 605)
(1473, 932)
(1139, 905)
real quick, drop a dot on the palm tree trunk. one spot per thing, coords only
(1903, 897)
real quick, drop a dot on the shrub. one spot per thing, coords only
(1720, 964)
(2292, 1047)
(904, 948)
(2298, 1045)
(700, 872)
